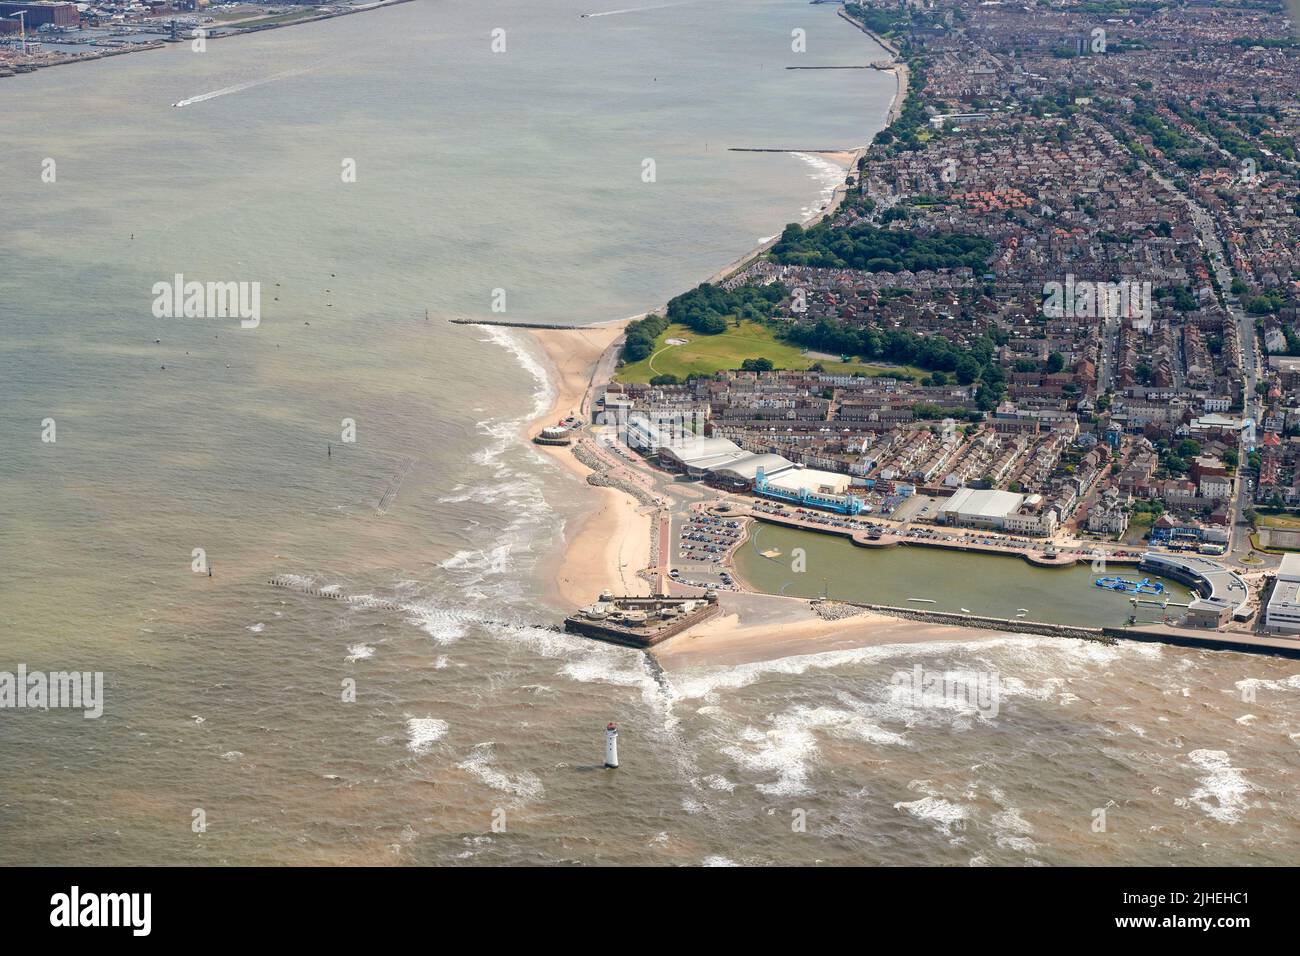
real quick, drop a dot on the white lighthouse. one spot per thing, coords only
(611, 745)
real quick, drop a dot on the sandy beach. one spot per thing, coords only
(759, 627)
(611, 542)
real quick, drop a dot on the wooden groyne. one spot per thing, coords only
(361, 600)
(333, 594)
(390, 492)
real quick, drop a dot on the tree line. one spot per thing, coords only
(865, 246)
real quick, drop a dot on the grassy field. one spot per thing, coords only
(706, 354)
(1286, 522)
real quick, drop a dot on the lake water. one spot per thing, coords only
(945, 580)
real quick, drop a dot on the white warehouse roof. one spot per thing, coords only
(698, 452)
(746, 469)
(812, 479)
(978, 503)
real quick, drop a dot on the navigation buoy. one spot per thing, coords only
(611, 745)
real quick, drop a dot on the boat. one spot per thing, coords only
(965, 610)
(923, 600)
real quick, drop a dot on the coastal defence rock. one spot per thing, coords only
(835, 610)
(1041, 628)
(601, 478)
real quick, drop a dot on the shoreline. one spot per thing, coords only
(608, 545)
(901, 73)
(756, 627)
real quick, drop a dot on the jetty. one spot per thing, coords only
(776, 149)
(519, 325)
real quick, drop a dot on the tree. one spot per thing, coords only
(1055, 362)
(637, 347)
(756, 365)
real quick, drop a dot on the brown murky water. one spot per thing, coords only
(475, 172)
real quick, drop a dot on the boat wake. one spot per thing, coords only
(248, 85)
(658, 6)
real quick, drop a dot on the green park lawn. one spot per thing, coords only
(706, 354)
(1283, 521)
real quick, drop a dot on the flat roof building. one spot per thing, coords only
(998, 511)
(978, 508)
(698, 456)
(808, 479)
(40, 13)
(1283, 613)
(746, 469)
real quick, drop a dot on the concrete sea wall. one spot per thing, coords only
(989, 623)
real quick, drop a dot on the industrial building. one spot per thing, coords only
(998, 511)
(700, 457)
(39, 13)
(722, 462)
(1283, 613)
(810, 479)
